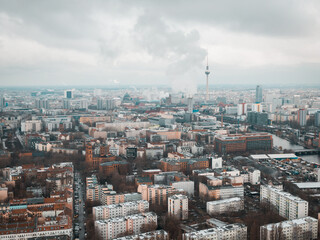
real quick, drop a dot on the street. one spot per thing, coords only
(79, 214)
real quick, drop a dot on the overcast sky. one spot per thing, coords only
(111, 43)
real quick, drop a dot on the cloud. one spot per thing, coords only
(180, 50)
(152, 42)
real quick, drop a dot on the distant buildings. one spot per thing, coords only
(287, 205)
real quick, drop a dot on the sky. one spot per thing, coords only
(144, 42)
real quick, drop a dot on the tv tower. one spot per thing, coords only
(207, 72)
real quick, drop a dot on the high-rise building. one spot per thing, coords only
(66, 104)
(190, 104)
(317, 119)
(68, 94)
(178, 206)
(3, 102)
(302, 117)
(99, 104)
(258, 94)
(242, 109)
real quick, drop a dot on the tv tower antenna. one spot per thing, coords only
(207, 72)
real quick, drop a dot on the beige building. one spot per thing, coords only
(155, 194)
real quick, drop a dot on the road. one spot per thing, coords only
(79, 207)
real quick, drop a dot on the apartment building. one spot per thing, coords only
(287, 205)
(153, 235)
(226, 232)
(132, 224)
(207, 192)
(96, 191)
(302, 228)
(178, 206)
(119, 210)
(156, 194)
(226, 205)
(31, 126)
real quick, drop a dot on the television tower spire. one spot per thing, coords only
(207, 72)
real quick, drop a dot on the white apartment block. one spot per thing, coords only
(226, 205)
(178, 206)
(154, 235)
(254, 176)
(40, 234)
(227, 232)
(31, 126)
(132, 224)
(300, 229)
(287, 205)
(119, 210)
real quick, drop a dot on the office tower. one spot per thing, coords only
(68, 94)
(190, 104)
(207, 72)
(302, 117)
(178, 206)
(317, 119)
(66, 104)
(3, 102)
(258, 94)
(99, 104)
